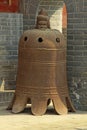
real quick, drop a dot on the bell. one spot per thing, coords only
(42, 70)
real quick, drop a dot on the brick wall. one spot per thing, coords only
(29, 10)
(6, 97)
(77, 52)
(11, 27)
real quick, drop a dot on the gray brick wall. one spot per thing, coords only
(77, 52)
(11, 27)
(29, 9)
(6, 97)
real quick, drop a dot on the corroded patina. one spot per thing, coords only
(42, 70)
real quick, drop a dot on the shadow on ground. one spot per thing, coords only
(27, 110)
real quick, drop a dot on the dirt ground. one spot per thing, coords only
(49, 121)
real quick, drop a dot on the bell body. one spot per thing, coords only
(42, 64)
(42, 72)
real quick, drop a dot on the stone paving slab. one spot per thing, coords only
(49, 121)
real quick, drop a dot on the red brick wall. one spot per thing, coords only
(8, 5)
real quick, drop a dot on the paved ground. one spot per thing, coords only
(49, 121)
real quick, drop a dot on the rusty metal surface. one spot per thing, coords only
(42, 72)
(42, 20)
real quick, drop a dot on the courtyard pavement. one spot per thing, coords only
(49, 121)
